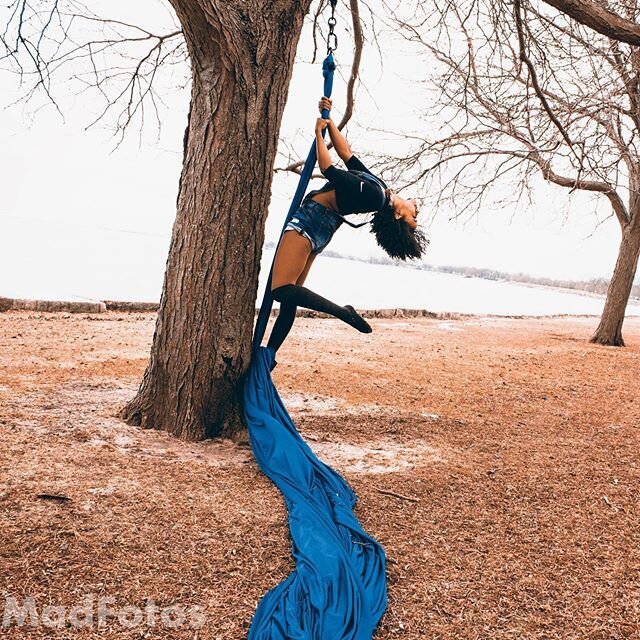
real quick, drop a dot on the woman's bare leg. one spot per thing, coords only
(291, 259)
(287, 313)
(290, 263)
(305, 272)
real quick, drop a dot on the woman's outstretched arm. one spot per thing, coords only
(324, 158)
(339, 142)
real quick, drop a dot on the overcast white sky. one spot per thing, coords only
(76, 216)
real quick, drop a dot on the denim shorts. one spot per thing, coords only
(316, 223)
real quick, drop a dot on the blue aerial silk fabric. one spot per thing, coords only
(338, 589)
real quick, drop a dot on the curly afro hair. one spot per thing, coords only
(396, 237)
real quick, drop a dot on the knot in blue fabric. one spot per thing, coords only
(328, 66)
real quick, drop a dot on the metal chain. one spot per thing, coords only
(332, 38)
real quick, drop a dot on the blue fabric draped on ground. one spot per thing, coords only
(338, 590)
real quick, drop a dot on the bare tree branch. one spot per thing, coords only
(525, 96)
(517, 11)
(358, 37)
(608, 190)
(598, 17)
(52, 43)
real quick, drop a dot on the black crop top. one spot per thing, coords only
(353, 193)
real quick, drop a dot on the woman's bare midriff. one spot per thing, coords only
(326, 199)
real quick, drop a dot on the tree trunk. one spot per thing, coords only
(242, 56)
(609, 331)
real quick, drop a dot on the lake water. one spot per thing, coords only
(370, 286)
(126, 270)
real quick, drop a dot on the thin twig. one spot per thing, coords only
(387, 492)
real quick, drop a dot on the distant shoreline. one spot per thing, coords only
(490, 275)
(123, 306)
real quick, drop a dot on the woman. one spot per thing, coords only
(309, 231)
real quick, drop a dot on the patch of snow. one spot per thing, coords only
(449, 326)
(384, 456)
(309, 402)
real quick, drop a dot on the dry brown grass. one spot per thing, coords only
(516, 441)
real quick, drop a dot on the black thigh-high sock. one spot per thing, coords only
(303, 297)
(282, 325)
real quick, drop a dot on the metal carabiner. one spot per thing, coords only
(332, 43)
(332, 38)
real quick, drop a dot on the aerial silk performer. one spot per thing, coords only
(338, 588)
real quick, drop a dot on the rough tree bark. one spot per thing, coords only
(609, 331)
(242, 55)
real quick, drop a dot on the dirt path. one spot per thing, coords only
(516, 442)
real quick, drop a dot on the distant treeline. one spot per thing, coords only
(594, 285)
